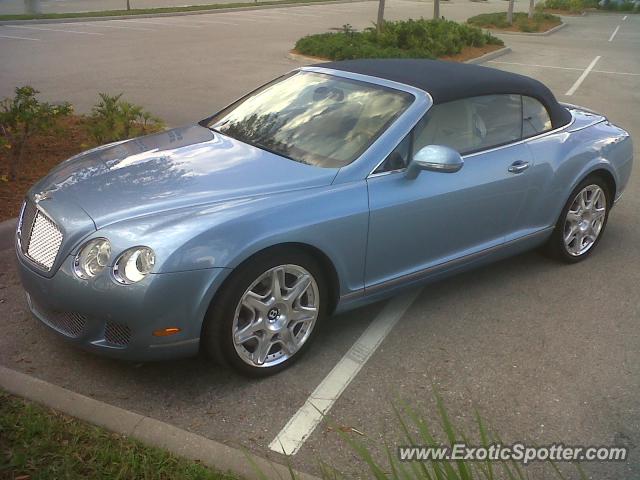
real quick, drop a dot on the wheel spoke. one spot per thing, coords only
(255, 302)
(571, 235)
(262, 350)
(583, 200)
(594, 198)
(599, 213)
(277, 283)
(288, 341)
(573, 217)
(248, 332)
(303, 314)
(295, 292)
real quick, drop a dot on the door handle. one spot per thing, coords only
(518, 166)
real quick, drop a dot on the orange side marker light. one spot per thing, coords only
(165, 332)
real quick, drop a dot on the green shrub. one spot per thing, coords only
(400, 39)
(23, 116)
(520, 20)
(577, 6)
(620, 7)
(113, 119)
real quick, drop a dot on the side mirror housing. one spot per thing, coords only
(435, 158)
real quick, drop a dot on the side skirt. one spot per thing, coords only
(380, 291)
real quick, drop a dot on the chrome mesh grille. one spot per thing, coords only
(40, 238)
(117, 333)
(68, 323)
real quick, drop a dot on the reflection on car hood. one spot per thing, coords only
(172, 169)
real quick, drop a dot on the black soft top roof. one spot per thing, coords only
(447, 81)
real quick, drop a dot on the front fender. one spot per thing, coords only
(332, 219)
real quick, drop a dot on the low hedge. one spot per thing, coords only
(578, 6)
(521, 21)
(401, 39)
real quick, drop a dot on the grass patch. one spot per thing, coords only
(541, 22)
(147, 11)
(40, 443)
(401, 39)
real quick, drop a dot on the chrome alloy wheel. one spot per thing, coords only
(585, 220)
(275, 316)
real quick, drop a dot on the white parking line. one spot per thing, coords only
(610, 72)
(52, 30)
(304, 422)
(581, 78)
(534, 65)
(19, 38)
(614, 33)
(624, 18)
(616, 73)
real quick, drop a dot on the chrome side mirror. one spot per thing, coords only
(435, 158)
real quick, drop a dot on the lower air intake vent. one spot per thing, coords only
(68, 323)
(117, 333)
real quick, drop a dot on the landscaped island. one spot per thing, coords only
(402, 39)
(539, 22)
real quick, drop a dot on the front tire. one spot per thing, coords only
(582, 221)
(267, 313)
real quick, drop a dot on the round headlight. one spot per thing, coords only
(92, 258)
(134, 264)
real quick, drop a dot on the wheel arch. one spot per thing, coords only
(608, 177)
(329, 270)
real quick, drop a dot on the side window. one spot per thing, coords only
(535, 117)
(398, 159)
(449, 124)
(471, 124)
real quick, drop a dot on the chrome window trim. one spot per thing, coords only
(479, 152)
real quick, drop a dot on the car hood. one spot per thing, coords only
(176, 168)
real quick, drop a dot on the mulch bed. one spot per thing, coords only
(42, 153)
(544, 26)
(468, 53)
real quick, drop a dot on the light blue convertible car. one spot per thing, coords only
(331, 187)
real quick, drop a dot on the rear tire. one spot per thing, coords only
(267, 313)
(582, 221)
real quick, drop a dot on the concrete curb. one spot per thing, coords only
(148, 430)
(298, 57)
(490, 56)
(172, 14)
(7, 231)
(532, 34)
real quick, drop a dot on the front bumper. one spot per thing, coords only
(119, 320)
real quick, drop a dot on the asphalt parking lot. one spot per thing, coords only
(547, 352)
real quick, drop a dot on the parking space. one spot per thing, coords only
(547, 352)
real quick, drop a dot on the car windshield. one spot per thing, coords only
(313, 118)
